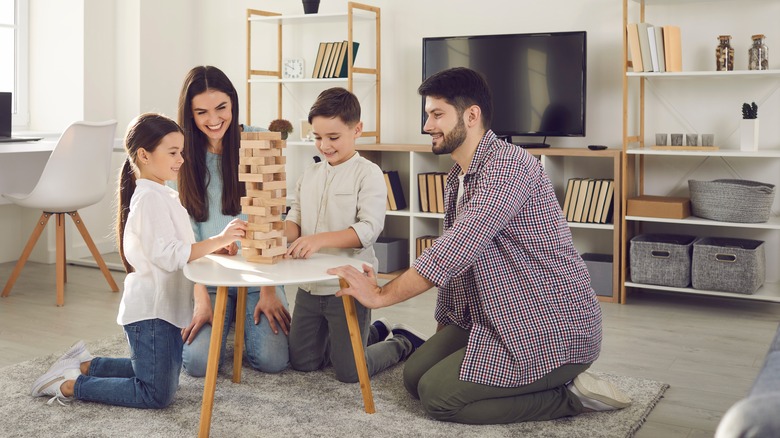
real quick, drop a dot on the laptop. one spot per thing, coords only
(5, 121)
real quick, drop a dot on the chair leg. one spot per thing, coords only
(93, 249)
(39, 227)
(60, 259)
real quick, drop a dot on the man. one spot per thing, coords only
(518, 321)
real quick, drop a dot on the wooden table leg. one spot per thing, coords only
(357, 349)
(212, 366)
(238, 351)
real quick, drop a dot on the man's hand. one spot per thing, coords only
(273, 309)
(362, 285)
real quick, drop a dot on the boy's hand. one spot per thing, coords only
(273, 309)
(304, 246)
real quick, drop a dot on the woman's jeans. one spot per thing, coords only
(148, 379)
(265, 350)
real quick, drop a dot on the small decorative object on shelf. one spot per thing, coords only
(724, 54)
(311, 6)
(281, 125)
(758, 58)
(748, 129)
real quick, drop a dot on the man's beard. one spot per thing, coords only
(452, 140)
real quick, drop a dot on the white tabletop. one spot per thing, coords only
(234, 271)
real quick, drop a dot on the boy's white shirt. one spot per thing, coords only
(334, 198)
(158, 239)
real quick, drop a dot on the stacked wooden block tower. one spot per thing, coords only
(261, 167)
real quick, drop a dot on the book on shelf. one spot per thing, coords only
(318, 63)
(575, 188)
(672, 48)
(653, 48)
(582, 194)
(567, 196)
(395, 191)
(431, 177)
(658, 36)
(343, 67)
(606, 204)
(325, 59)
(644, 46)
(633, 47)
(424, 242)
(594, 198)
(390, 204)
(334, 60)
(441, 181)
(422, 186)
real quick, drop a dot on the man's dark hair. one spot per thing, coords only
(461, 87)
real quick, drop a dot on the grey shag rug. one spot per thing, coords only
(289, 404)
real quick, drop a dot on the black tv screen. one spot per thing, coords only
(537, 79)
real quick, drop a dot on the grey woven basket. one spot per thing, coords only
(662, 259)
(732, 200)
(728, 264)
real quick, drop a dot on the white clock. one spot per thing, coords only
(292, 68)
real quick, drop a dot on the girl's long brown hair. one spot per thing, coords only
(194, 176)
(145, 131)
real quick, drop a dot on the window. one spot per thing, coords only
(13, 56)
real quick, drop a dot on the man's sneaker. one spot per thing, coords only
(415, 338)
(382, 329)
(598, 394)
(48, 385)
(78, 351)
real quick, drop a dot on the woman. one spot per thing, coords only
(210, 191)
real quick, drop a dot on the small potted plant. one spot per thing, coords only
(282, 126)
(748, 130)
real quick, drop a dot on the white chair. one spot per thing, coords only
(75, 176)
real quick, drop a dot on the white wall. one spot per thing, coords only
(74, 75)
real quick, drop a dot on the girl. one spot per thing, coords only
(155, 241)
(209, 189)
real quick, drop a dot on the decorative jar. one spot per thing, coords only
(724, 54)
(758, 58)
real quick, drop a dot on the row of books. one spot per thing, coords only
(654, 48)
(423, 243)
(395, 192)
(331, 61)
(589, 200)
(431, 187)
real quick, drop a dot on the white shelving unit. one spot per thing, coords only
(648, 171)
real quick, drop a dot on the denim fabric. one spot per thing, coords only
(265, 351)
(319, 337)
(148, 379)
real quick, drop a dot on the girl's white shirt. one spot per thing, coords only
(158, 239)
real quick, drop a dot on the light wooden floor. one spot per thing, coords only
(709, 350)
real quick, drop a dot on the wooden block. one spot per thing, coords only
(275, 185)
(257, 211)
(263, 260)
(263, 227)
(264, 135)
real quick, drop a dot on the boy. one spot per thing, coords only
(339, 208)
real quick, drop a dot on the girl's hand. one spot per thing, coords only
(304, 246)
(231, 249)
(234, 231)
(273, 309)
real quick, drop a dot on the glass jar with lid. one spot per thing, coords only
(724, 54)
(758, 54)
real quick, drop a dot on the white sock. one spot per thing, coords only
(589, 403)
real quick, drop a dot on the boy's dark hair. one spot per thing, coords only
(461, 87)
(336, 102)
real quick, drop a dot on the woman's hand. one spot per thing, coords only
(201, 314)
(271, 306)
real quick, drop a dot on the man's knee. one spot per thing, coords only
(432, 400)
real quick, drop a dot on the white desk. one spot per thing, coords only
(21, 165)
(233, 271)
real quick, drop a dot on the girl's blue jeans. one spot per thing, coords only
(148, 379)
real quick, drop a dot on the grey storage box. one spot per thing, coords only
(728, 265)
(661, 259)
(393, 254)
(600, 269)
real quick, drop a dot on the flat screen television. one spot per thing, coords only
(538, 80)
